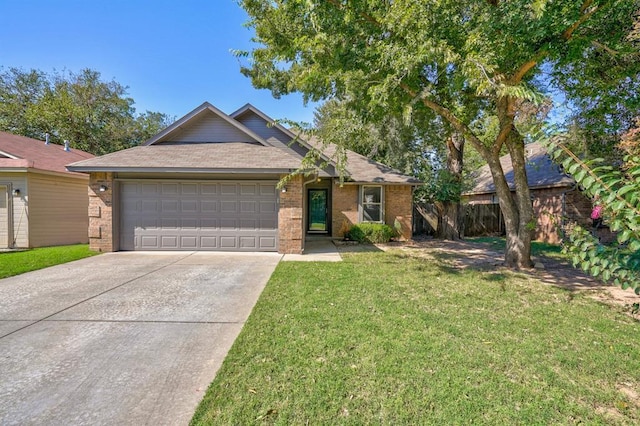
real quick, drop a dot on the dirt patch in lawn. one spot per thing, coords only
(464, 254)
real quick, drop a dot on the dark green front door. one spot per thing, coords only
(318, 210)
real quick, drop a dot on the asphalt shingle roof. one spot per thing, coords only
(193, 156)
(541, 172)
(363, 169)
(35, 154)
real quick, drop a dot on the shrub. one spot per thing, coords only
(371, 233)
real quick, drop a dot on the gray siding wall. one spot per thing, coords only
(270, 133)
(58, 210)
(210, 128)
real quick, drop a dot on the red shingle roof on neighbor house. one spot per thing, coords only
(20, 153)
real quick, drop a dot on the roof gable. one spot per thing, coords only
(206, 124)
(207, 140)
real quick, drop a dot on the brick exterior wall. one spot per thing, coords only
(549, 210)
(100, 213)
(290, 215)
(344, 208)
(398, 201)
(399, 208)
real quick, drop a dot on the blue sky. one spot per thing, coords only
(173, 55)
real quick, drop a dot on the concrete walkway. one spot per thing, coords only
(122, 338)
(318, 250)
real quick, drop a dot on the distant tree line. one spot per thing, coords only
(94, 115)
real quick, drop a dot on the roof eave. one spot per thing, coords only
(88, 169)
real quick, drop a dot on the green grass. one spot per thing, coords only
(537, 248)
(19, 262)
(386, 338)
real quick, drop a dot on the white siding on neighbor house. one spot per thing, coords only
(58, 210)
(4, 216)
(18, 204)
(209, 128)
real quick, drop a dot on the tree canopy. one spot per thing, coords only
(94, 115)
(465, 61)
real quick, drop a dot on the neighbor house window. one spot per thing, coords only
(372, 203)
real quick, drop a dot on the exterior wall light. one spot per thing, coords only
(284, 189)
(103, 188)
(16, 192)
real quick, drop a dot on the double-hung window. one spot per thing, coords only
(372, 203)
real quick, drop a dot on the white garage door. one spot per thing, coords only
(209, 215)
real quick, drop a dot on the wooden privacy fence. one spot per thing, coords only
(479, 219)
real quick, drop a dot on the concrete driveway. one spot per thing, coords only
(122, 338)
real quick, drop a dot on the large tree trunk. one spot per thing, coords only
(517, 210)
(450, 218)
(518, 252)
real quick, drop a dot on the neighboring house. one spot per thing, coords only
(208, 182)
(41, 202)
(555, 196)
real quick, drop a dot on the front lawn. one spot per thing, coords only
(389, 338)
(538, 248)
(19, 262)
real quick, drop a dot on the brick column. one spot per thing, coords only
(290, 224)
(100, 212)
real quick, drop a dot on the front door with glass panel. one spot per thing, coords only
(318, 210)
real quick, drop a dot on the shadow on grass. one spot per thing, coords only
(356, 247)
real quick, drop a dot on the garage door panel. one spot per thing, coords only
(189, 242)
(228, 242)
(189, 188)
(169, 242)
(189, 223)
(208, 189)
(267, 243)
(208, 243)
(268, 224)
(189, 206)
(228, 189)
(149, 242)
(169, 189)
(248, 189)
(149, 189)
(248, 224)
(208, 224)
(249, 242)
(228, 206)
(232, 216)
(169, 223)
(268, 207)
(269, 190)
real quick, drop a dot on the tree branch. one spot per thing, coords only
(585, 5)
(568, 33)
(338, 5)
(527, 66)
(450, 117)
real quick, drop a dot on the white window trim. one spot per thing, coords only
(381, 203)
